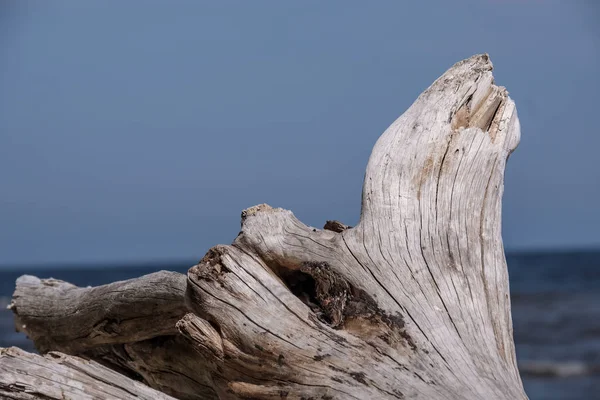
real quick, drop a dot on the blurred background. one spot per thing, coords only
(133, 133)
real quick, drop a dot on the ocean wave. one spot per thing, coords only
(557, 369)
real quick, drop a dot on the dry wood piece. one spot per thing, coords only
(412, 303)
(25, 376)
(59, 316)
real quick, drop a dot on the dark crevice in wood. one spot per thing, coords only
(336, 226)
(337, 303)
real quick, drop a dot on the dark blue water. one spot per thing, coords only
(555, 304)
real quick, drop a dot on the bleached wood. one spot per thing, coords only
(57, 315)
(427, 250)
(413, 302)
(26, 376)
(129, 326)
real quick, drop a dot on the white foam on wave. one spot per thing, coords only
(557, 369)
(4, 302)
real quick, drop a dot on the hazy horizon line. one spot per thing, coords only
(132, 264)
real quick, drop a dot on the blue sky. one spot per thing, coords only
(139, 130)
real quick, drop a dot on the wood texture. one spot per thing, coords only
(412, 303)
(57, 315)
(25, 376)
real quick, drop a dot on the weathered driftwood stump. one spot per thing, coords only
(413, 302)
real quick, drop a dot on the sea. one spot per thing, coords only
(555, 309)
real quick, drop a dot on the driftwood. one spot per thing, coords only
(129, 326)
(413, 302)
(83, 318)
(26, 376)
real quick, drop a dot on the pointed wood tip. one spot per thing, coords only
(481, 60)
